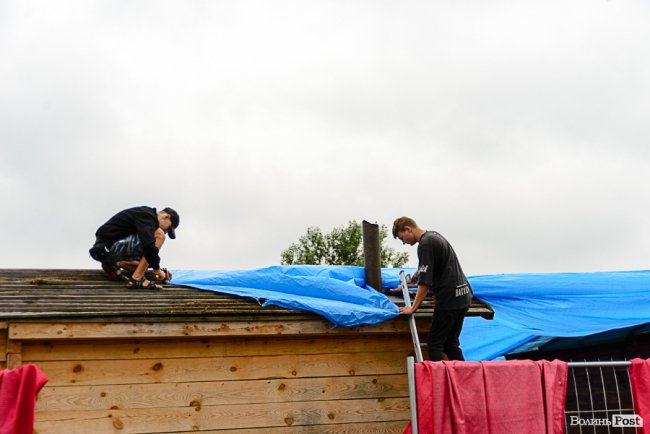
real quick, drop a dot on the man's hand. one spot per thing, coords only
(162, 274)
(419, 297)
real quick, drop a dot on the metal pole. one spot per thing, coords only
(414, 330)
(413, 403)
(372, 254)
(598, 364)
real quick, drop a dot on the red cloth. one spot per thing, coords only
(491, 397)
(18, 390)
(640, 379)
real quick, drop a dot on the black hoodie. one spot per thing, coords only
(141, 220)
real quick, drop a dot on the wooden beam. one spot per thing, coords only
(108, 349)
(56, 331)
(198, 418)
(208, 393)
(389, 427)
(3, 346)
(96, 372)
(14, 354)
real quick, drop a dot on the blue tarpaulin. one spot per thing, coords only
(526, 305)
(335, 292)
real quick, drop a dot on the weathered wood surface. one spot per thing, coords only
(184, 360)
(3, 345)
(197, 418)
(106, 397)
(277, 384)
(219, 368)
(36, 352)
(28, 294)
(87, 293)
(108, 330)
(349, 428)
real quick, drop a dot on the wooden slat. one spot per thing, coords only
(3, 344)
(53, 331)
(106, 397)
(14, 354)
(220, 369)
(396, 427)
(209, 347)
(161, 420)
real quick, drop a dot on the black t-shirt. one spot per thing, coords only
(141, 220)
(439, 268)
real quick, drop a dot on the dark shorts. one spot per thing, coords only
(126, 249)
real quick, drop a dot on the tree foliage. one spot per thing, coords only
(342, 246)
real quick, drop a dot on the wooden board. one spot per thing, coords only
(3, 345)
(56, 331)
(206, 393)
(396, 427)
(14, 354)
(220, 368)
(259, 416)
(34, 352)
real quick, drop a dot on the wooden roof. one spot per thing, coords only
(85, 294)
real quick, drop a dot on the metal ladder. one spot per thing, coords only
(412, 326)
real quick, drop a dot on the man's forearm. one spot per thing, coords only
(151, 255)
(423, 289)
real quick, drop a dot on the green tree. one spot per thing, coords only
(342, 246)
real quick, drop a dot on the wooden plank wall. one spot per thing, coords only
(352, 383)
(3, 345)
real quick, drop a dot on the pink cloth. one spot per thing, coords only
(18, 390)
(640, 379)
(518, 396)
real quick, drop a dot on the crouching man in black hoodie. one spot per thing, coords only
(130, 241)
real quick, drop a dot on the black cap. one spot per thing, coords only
(175, 221)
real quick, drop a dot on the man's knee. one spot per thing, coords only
(126, 249)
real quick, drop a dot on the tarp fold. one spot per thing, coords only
(526, 305)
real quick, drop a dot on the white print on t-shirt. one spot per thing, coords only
(423, 269)
(462, 290)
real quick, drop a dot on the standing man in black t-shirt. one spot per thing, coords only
(440, 272)
(130, 241)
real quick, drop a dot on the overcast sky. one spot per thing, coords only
(518, 129)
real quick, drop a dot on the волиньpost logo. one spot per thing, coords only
(617, 421)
